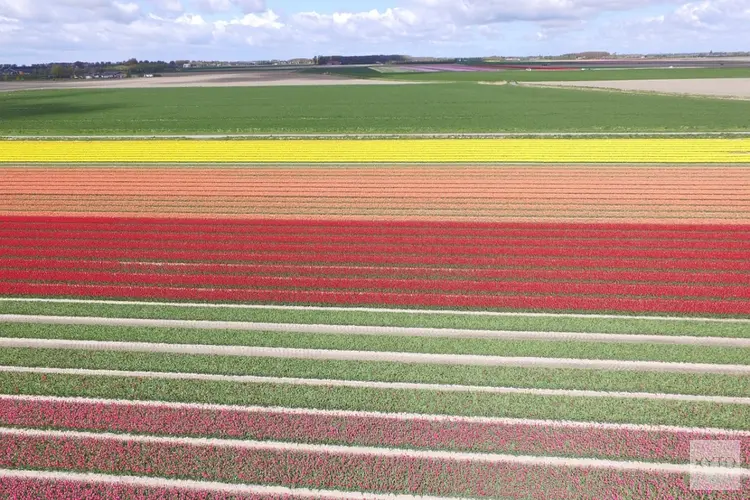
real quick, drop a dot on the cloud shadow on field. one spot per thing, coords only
(15, 108)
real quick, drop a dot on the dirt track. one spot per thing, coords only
(709, 87)
(668, 194)
(240, 79)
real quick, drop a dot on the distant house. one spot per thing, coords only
(110, 75)
(187, 65)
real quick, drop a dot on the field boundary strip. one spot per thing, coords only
(387, 452)
(373, 310)
(373, 414)
(377, 356)
(201, 486)
(253, 379)
(393, 331)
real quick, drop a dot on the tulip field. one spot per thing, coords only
(429, 151)
(548, 319)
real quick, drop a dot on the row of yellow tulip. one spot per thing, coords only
(381, 151)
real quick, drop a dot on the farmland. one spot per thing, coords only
(411, 151)
(450, 108)
(490, 73)
(365, 318)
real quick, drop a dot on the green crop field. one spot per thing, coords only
(431, 108)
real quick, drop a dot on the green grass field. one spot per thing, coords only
(433, 108)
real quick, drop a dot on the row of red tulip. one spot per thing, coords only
(460, 243)
(731, 231)
(343, 258)
(445, 273)
(552, 302)
(365, 249)
(422, 286)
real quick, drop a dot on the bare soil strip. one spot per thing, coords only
(378, 356)
(371, 310)
(368, 414)
(251, 379)
(276, 78)
(376, 330)
(706, 87)
(386, 452)
(200, 486)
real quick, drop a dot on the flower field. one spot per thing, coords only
(382, 151)
(419, 266)
(667, 194)
(550, 330)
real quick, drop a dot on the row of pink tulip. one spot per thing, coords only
(19, 488)
(318, 427)
(336, 470)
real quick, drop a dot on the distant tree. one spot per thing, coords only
(57, 71)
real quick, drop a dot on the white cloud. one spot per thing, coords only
(190, 19)
(483, 12)
(244, 6)
(171, 6)
(692, 26)
(225, 29)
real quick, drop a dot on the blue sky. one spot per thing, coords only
(67, 30)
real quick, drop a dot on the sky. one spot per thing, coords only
(35, 31)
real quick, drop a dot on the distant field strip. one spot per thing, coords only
(382, 151)
(594, 193)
